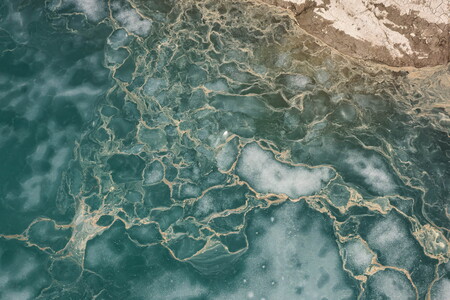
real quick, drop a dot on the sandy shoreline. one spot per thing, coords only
(397, 33)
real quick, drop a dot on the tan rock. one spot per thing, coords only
(393, 32)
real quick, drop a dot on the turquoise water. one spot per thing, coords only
(213, 150)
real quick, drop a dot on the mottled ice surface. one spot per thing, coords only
(212, 150)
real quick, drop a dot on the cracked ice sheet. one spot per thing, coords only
(267, 175)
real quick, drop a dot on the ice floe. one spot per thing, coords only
(130, 19)
(267, 175)
(357, 256)
(292, 257)
(389, 284)
(373, 171)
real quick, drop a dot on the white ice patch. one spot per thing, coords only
(298, 82)
(283, 60)
(81, 91)
(226, 156)
(188, 190)
(267, 175)
(171, 285)
(206, 205)
(219, 85)
(17, 295)
(293, 258)
(100, 254)
(18, 271)
(116, 57)
(390, 284)
(373, 170)
(154, 85)
(130, 19)
(14, 22)
(358, 258)
(154, 173)
(95, 10)
(118, 38)
(392, 239)
(441, 289)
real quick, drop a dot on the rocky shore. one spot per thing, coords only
(398, 33)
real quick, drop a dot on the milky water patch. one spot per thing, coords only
(110, 251)
(218, 200)
(296, 257)
(51, 84)
(265, 174)
(116, 57)
(248, 105)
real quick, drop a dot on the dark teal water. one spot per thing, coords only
(212, 150)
